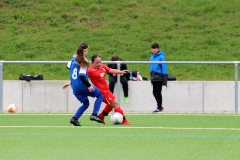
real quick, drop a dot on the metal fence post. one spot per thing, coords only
(118, 85)
(236, 86)
(1, 86)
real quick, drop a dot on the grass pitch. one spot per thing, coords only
(153, 136)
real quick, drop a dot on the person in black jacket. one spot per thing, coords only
(123, 78)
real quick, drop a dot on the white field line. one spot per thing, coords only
(140, 114)
(118, 127)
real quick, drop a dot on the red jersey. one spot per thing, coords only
(97, 76)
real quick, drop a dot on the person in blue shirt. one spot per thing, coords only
(161, 70)
(81, 87)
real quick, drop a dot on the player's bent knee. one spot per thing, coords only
(86, 102)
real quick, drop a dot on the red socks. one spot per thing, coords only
(105, 111)
(119, 110)
(108, 109)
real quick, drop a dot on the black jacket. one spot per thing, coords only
(114, 66)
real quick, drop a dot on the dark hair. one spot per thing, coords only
(155, 45)
(94, 57)
(115, 58)
(80, 56)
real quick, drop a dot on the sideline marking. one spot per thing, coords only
(141, 114)
(94, 127)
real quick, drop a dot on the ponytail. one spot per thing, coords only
(80, 55)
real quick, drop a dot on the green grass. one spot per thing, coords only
(199, 30)
(154, 136)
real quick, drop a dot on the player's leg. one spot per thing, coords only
(119, 110)
(105, 112)
(111, 102)
(97, 104)
(81, 109)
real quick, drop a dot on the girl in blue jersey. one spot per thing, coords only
(81, 87)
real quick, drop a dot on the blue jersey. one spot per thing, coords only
(78, 86)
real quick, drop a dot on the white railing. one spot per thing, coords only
(235, 63)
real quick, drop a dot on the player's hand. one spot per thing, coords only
(91, 89)
(125, 71)
(66, 85)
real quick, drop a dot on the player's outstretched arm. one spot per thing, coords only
(66, 85)
(115, 71)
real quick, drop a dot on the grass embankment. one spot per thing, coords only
(186, 30)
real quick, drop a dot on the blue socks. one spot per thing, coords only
(81, 109)
(97, 104)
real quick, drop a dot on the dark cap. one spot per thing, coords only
(155, 45)
(83, 45)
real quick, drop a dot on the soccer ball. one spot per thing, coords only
(12, 108)
(116, 118)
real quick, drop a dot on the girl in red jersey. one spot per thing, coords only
(97, 73)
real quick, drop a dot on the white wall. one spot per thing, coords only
(178, 96)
